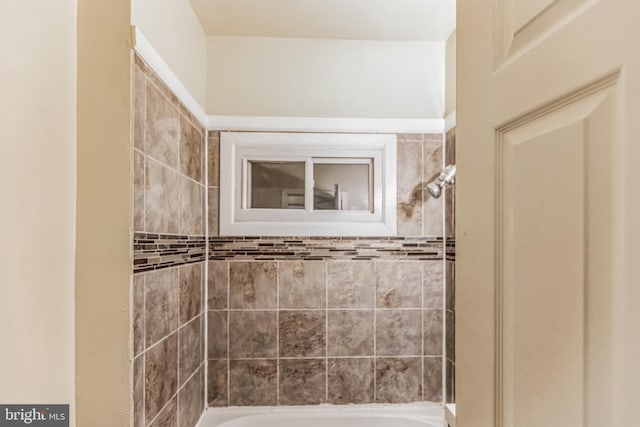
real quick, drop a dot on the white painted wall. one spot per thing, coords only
(174, 31)
(450, 76)
(325, 78)
(37, 200)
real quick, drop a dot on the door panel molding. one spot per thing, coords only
(569, 119)
(517, 36)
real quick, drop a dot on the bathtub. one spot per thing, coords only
(409, 415)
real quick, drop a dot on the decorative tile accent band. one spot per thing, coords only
(451, 248)
(158, 251)
(325, 248)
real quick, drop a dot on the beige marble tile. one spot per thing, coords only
(450, 212)
(217, 388)
(450, 152)
(350, 381)
(433, 209)
(161, 198)
(138, 313)
(191, 207)
(350, 333)
(252, 334)
(169, 415)
(253, 285)
(213, 214)
(162, 137)
(159, 85)
(214, 158)
(138, 191)
(351, 284)
(191, 290)
(303, 284)
(398, 284)
(433, 279)
(302, 333)
(451, 286)
(191, 150)
(191, 400)
(433, 330)
(302, 381)
(138, 392)
(450, 382)
(160, 375)
(218, 330)
(253, 383)
(409, 184)
(433, 379)
(218, 283)
(139, 108)
(161, 304)
(191, 351)
(398, 332)
(399, 380)
(451, 337)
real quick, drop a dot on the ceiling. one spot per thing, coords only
(419, 20)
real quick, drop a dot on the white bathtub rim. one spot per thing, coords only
(424, 411)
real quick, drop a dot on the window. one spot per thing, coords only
(307, 184)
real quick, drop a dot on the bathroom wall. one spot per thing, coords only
(450, 75)
(299, 320)
(169, 257)
(292, 77)
(38, 175)
(176, 34)
(450, 242)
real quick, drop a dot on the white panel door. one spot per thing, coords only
(548, 213)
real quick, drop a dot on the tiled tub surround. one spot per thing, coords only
(336, 331)
(450, 248)
(168, 343)
(169, 161)
(308, 320)
(169, 257)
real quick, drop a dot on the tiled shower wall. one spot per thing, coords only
(338, 320)
(450, 241)
(169, 257)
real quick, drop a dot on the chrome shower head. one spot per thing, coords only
(447, 177)
(434, 189)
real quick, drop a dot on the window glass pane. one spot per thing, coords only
(341, 187)
(276, 185)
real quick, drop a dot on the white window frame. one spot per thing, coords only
(238, 148)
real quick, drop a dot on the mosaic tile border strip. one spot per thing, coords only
(325, 248)
(157, 251)
(451, 249)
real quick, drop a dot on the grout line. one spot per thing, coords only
(155, 344)
(444, 280)
(178, 355)
(205, 279)
(422, 294)
(322, 310)
(175, 396)
(178, 105)
(228, 277)
(375, 337)
(277, 333)
(151, 158)
(326, 330)
(144, 345)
